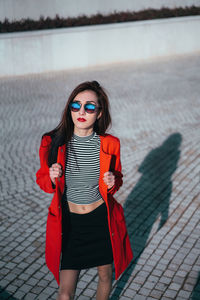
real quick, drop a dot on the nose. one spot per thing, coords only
(82, 110)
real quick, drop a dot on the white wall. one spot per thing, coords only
(62, 49)
(18, 9)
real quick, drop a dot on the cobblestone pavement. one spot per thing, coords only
(156, 114)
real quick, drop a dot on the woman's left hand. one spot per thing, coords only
(109, 179)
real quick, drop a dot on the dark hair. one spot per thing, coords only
(64, 131)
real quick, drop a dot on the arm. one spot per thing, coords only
(116, 170)
(42, 176)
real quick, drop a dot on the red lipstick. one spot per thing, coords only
(81, 119)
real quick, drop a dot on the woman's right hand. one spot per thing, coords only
(55, 171)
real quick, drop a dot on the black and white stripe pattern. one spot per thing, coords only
(82, 169)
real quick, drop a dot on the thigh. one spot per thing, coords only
(105, 272)
(68, 281)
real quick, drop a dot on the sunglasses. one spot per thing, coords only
(89, 108)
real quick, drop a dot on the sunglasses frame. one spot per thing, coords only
(96, 107)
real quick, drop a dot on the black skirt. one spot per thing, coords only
(86, 240)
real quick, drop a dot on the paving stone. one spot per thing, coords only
(153, 279)
(188, 287)
(82, 284)
(184, 294)
(30, 296)
(43, 283)
(49, 290)
(32, 281)
(89, 293)
(19, 295)
(165, 280)
(24, 276)
(134, 286)
(53, 284)
(4, 271)
(156, 294)
(42, 296)
(144, 291)
(157, 273)
(10, 276)
(161, 286)
(170, 293)
(37, 289)
(25, 288)
(11, 288)
(178, 279)
(130, 293)
(139, 297)
(149, 285)
(174, 286)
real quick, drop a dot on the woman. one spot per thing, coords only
(80, 164)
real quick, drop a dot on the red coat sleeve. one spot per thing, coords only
(116, 169)
(42, 176)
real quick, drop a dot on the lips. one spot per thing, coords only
(81, 119)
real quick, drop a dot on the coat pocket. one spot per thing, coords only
(51, 212)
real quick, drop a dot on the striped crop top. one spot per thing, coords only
(82, 169)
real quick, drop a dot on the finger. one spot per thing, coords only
(107, 173)
(52, 170)
(57, 173)
(109, 184)
(56, 165)
(59, 170)
(110, 178)
(106, 182)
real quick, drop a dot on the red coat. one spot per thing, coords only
(109, 161)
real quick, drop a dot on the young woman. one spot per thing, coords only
(80, 165)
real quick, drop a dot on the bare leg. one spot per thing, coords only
(68, 282)
(105, 282)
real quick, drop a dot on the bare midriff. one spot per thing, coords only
(84, 208)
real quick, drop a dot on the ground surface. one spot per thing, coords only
(156, 114)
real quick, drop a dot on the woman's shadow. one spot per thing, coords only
(196, 291)
(149, 200)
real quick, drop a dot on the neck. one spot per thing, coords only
(83, 132)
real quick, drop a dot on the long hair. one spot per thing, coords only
(63, 132)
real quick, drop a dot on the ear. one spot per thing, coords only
(99, 115)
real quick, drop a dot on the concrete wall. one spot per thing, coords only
(18, 9)
(61, 49)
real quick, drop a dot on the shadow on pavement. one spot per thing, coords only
(5, 295)
(196, 291)
(149, 199)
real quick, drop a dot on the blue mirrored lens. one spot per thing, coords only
(90, 106)
(75, 105)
